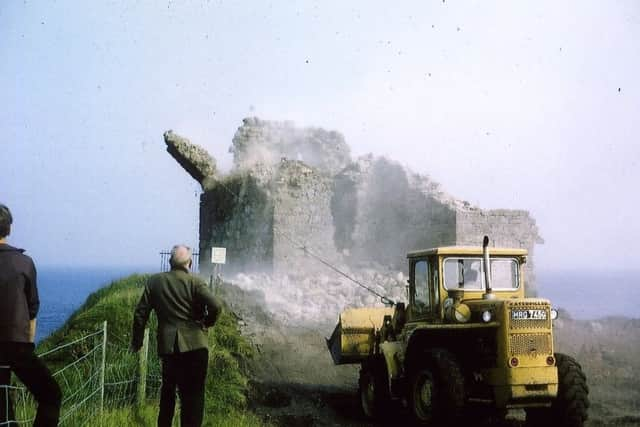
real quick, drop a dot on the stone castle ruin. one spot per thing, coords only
(295, 195)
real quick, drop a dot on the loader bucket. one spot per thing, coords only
(353, 338)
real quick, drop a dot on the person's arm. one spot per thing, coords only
(140, 318)
(32, 330)
(206, 298)
(33, 301)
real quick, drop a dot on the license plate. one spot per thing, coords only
(529, 315)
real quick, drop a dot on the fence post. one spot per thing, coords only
(141, 390)
(102, 365)
(5, 399)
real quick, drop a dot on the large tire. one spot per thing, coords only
(436, 390)
(570, 408)
(373, 388)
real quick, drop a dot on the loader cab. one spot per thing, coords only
(435, 273)
(424, 288)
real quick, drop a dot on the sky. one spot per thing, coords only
(520, 105)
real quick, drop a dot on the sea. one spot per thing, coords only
(583, 295)
(63, 290)
(592, 294)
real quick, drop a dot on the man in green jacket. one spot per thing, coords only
(180, 300)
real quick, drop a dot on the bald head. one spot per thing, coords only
(180, 257)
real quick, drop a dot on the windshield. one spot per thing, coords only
(467, 273)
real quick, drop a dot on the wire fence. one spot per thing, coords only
(101, 375)
(166, 255)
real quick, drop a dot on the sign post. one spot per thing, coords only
(218, 259)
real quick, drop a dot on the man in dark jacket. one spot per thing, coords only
(19, 305)
(180, 301)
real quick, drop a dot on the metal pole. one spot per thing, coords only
(141, 391)
(102, 366)
(487, 269)
(4, 392)
(216, 278)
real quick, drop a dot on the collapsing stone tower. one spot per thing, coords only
(296, 192)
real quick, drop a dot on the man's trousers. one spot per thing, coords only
(21, 359)
(186, 371)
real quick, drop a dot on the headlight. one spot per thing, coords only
(554, 314)
(486, 316)
(462, 312)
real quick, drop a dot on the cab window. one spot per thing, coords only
(468, 273)
(463, 273)
(504, 274)
(422, 299)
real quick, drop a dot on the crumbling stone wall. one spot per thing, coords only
(507, 228)
(293, 188)
(302, 218)
(194, 159)
(267, 142)
(380, 213)
(237, 213)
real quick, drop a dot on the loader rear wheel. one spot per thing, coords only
(569, 409)
(374, 388)
(436, 390)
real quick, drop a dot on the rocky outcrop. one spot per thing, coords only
(194, 159)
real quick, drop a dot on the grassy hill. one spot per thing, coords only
(229, 351)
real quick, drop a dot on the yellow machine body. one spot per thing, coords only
(515, 341)
(353, 338)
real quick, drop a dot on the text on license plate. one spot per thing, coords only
(529, 314)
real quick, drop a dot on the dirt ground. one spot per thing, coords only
(296, 383)
(609, 351)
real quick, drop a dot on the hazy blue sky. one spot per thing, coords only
(530, 105)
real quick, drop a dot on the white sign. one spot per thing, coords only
(218, 255)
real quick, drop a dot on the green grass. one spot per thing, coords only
(147, 415)
(229, 351)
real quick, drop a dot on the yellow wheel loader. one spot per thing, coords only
(468, 342)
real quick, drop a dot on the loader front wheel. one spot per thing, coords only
(569, 409)
(436, 390)
(374, 388)
(421, 396)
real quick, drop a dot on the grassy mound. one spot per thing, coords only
(229, 351)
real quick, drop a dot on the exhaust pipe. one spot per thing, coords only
(487, 268)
